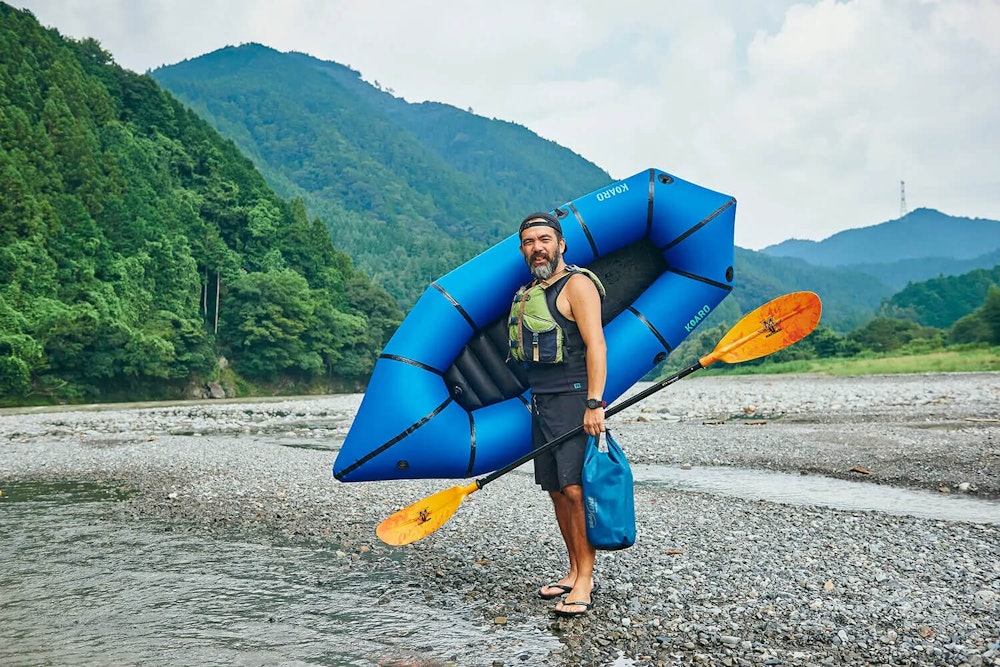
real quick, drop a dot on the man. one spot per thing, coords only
(556, 331)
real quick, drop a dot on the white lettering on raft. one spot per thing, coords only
(698, 317)
(619, 189)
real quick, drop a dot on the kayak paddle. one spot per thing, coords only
(771, 327)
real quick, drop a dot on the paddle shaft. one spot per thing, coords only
(716, 354)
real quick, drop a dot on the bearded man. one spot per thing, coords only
(556, 331)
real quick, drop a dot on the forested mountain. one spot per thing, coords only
(850, 298)
(923, 244)
(137, 246)
(942, 301)
(413, 190)
(441, 184)
(410, 191)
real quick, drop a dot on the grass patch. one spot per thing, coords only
(938, 361)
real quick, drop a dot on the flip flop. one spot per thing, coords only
(563, 590)
(562, 612)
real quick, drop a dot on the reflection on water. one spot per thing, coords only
(820, 491)
(78, 586)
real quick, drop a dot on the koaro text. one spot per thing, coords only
(698, 317)
(619, 189)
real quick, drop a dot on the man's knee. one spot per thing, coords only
(573, 493)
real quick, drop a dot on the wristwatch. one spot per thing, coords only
(594, 403)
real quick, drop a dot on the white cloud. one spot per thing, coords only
(809, 113)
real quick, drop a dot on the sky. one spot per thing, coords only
(812, 114)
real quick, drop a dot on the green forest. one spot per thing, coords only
(142, 255)
(260, 222)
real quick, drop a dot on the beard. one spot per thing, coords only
(544, 271)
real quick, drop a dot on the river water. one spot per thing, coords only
(81, 586)
(820, 491)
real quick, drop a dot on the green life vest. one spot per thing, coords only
(534, 332)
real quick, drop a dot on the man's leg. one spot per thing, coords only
(581, 554)
(556, 414)
(546, 475)
(563, 511)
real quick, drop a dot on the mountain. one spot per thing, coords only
(142, 254)
(410, 191)
(146, 246)
(439, 184)
(850, 298)
(922, 244)
(942, 301)
(905, 271)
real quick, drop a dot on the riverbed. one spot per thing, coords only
(214, 533)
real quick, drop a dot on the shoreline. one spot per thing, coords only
(710, 580)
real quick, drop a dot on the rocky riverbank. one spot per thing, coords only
(712, 580)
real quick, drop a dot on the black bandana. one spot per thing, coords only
(540, 219)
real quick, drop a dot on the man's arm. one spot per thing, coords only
(585, 309)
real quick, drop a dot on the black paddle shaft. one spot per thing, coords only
(613, 410)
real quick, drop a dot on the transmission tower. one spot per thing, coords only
(902, 199)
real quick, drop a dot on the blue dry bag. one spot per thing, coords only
(607, 495)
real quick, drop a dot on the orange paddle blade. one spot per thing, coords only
(423, 517)
(771, 327)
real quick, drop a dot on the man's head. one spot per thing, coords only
(542, 244)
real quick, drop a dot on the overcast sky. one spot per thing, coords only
(809, 113)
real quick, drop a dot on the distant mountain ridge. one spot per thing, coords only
(850, 298)
(906, 271)
(922, 233)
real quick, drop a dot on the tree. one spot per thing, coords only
(970, 329)
(20, 354)
(263, 324)
(981, 326)
(825, 343)
(340, 339)
(884, 334)
(990, 314)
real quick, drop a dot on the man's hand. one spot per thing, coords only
(593, 421)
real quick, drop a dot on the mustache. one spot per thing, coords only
(540, 254)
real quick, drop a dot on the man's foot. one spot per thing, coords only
(552, 591)
(580, 602)
(578, 608)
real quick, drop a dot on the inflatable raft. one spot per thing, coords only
(444, 400)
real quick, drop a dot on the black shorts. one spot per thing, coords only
(552, 415)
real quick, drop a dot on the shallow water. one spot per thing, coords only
(80, 586)
(821, 491)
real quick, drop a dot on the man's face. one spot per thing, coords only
(542, 250)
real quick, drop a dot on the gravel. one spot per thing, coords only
(712, 579)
